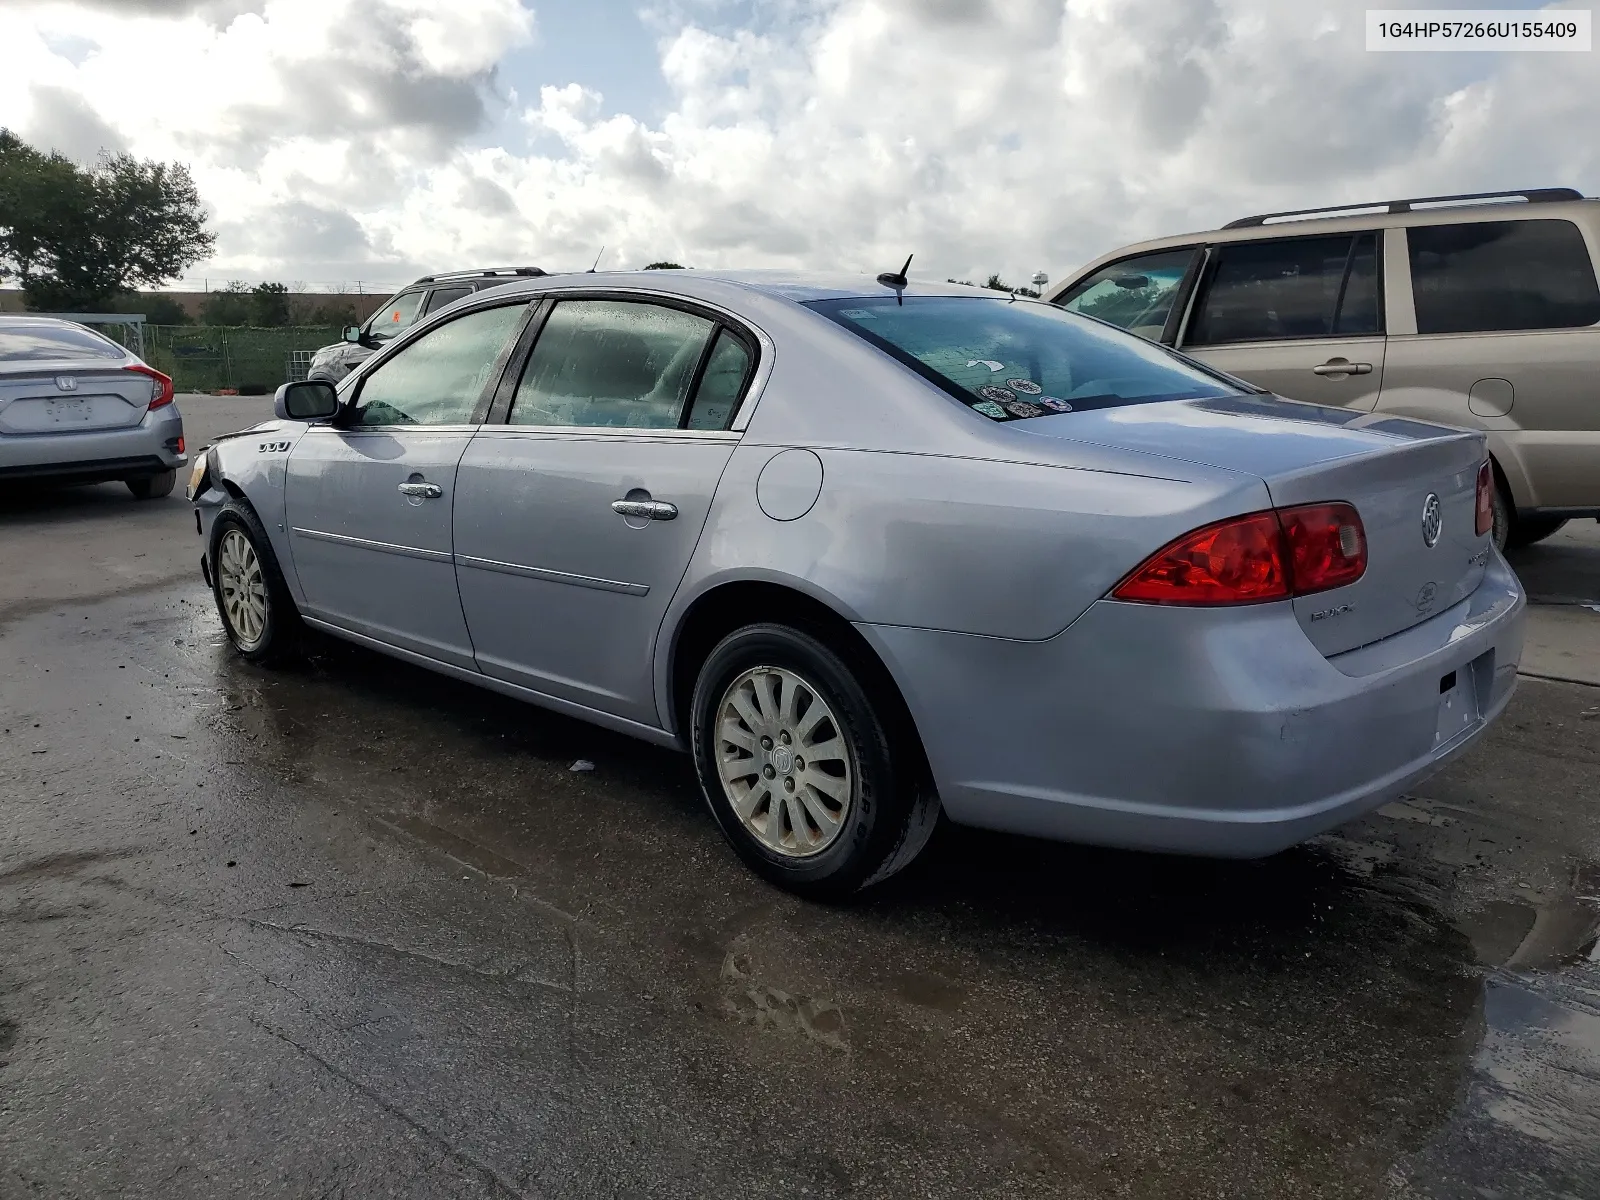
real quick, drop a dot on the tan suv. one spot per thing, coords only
(1477, 310)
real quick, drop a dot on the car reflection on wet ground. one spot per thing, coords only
(356, 929)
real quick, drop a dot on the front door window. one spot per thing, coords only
(439, 378)
(1135, 294)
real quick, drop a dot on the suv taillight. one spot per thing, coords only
(1485, 510)
(161, 391)
(1262, 556)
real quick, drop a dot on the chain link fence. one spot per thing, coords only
(205, 358)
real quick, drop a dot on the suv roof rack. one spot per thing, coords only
(487, 271)
(1531, 195)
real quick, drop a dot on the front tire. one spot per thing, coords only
(152, 487)
(257, 612)
(811, 778)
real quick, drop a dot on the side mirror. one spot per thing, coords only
(1131, 282)
(308, 400)
(352, 334)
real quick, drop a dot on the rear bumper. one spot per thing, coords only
(143, 449)
(1216, 732)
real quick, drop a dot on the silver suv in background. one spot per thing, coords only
(1479, 311)
(402, 310)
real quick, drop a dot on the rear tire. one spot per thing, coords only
(1525, 531)
(152, 487)
(766, 698)
(257, 612)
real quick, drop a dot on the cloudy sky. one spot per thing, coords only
(372, 140)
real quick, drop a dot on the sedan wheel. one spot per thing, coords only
(253, 601)
(809, 761)
(784, 765)
(243, 589)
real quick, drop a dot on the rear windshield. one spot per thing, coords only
(46, 343)
(1011, 360)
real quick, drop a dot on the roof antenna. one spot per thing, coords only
(897, 280)
(597, 260)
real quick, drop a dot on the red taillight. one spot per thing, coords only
(1233, 562)
(1327, 546)
(162, 391)
(1247, 560)
(1485, 511)
(180, 444)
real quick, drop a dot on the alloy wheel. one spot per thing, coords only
(243, 587)
(783, 762)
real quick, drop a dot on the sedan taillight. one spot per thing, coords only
(162, 388)
(1485, 510)
(1262, 556)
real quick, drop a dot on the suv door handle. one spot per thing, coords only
(428, 491)
(1342, 366)
(655, 510)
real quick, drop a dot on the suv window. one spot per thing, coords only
(1311, 287)
(1489, 275)
(438, 378)
(445, 295)
(396, 316)
(1135, 294)
(611, 362)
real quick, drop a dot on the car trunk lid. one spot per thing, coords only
(70, 397)
(1387, 467)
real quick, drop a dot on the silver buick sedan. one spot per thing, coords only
(871, 549)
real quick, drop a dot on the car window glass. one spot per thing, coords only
(1013, 359)
(395, 317)
(46, 343)
(1487, 275)
(611, 362)
(437, 379)
(1261, 291)
(443, 296)
(1358, 307)
(1135, 294)
(718, 393)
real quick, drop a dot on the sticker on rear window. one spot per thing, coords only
(998, 394)
(986, 362)
(858, 314)
(990, 409)
(1021, 408)
(1026, 386)
(1055, 402)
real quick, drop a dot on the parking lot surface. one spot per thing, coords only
(354, 929)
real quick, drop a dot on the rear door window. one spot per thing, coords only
(1481, 276)
(1315, 287)
(1135, 294)
(612, 363)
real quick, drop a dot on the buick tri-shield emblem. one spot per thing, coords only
(1432, 520)
(66, 383)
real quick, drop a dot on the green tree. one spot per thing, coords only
(996, 284)
(269, 305)
(664, 266)
(79, 239)
(230, 306)
(158, 309)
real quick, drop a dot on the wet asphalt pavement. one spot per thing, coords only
(353, 929)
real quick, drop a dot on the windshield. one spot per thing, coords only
(1011, 360)
(53, 343)
(395, 317)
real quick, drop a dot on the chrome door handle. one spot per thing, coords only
(1340, 366)
(655, 510)
(429, 491)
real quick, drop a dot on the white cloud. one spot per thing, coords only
(1001, 135)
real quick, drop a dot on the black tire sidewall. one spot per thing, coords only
(277, 638)
(880, 809)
